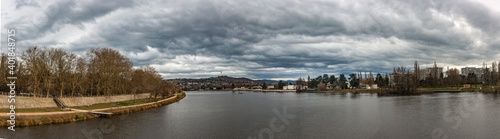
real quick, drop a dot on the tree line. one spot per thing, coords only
(354, 80)
(407, 82)
(452, 77)
(403, 80)
(45, 72)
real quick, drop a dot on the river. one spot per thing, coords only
(225, 115)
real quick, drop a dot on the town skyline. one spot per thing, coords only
(276, 40)
(443, 70)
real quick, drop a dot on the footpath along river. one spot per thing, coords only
(223, 114)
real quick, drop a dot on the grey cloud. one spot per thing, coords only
(301, 37)
(65, 12)
(23, 3)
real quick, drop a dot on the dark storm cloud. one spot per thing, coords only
(60, 13)
(277, 39)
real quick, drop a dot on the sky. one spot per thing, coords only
(264, 39)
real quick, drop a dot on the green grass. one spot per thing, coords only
(113, 104)
(440, 88)
(27, 110)
(476, 87)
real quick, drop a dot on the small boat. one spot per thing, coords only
(240, 93)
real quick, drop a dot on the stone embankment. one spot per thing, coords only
(31, 102)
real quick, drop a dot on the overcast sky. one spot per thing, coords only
(271, 39)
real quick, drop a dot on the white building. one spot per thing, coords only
(424, 73)
(330, 86)
(367, 86)
(257, 87)
(270, 87)
(477, 71)
(289, 87)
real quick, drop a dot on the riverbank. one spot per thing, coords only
(419, 91)
(26, 102)
(384, 91)
(42, 118)
(279, 91)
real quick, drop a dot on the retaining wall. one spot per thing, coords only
(31, 102)
(27, 102)
(86, 101)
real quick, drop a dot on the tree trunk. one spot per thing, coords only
(61, 90)
(73, 91)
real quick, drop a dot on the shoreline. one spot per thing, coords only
(265, 90)
(44, 118)
(379, 91)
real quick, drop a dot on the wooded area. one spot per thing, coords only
(45, 72)
(402, 80)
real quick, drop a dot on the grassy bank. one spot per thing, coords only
(28, 110)
(115, 104)
(36, 116)
(50, 119)
(140, 107)
(91, 107)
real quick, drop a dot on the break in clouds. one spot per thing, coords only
(264, 39)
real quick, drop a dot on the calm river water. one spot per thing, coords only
(228, 115)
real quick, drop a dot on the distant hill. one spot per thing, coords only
(228, 79)
(222, 83)
(275, 81)
(231, 79)
(267, 81)
(223, 79)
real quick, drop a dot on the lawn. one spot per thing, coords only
(113, 104)
(27, 110)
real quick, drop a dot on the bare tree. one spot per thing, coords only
(137, 82)
(494, 73)
(3, 73)
(107, 66)
(486, 74)
(453, 77)
(35, 68)
(102, 71)
(300, 85)
(417, 73)
(152, 80)
(322, 86)
(404, 81)
(77, 76)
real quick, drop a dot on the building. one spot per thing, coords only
(301, 87)
(240, 88)
(367, 86)
(257, 87)
(289, 87)
(478, 71)
(424, 73)
(330, 86)
(270, 87)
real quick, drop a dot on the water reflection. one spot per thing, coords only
(317, 115)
